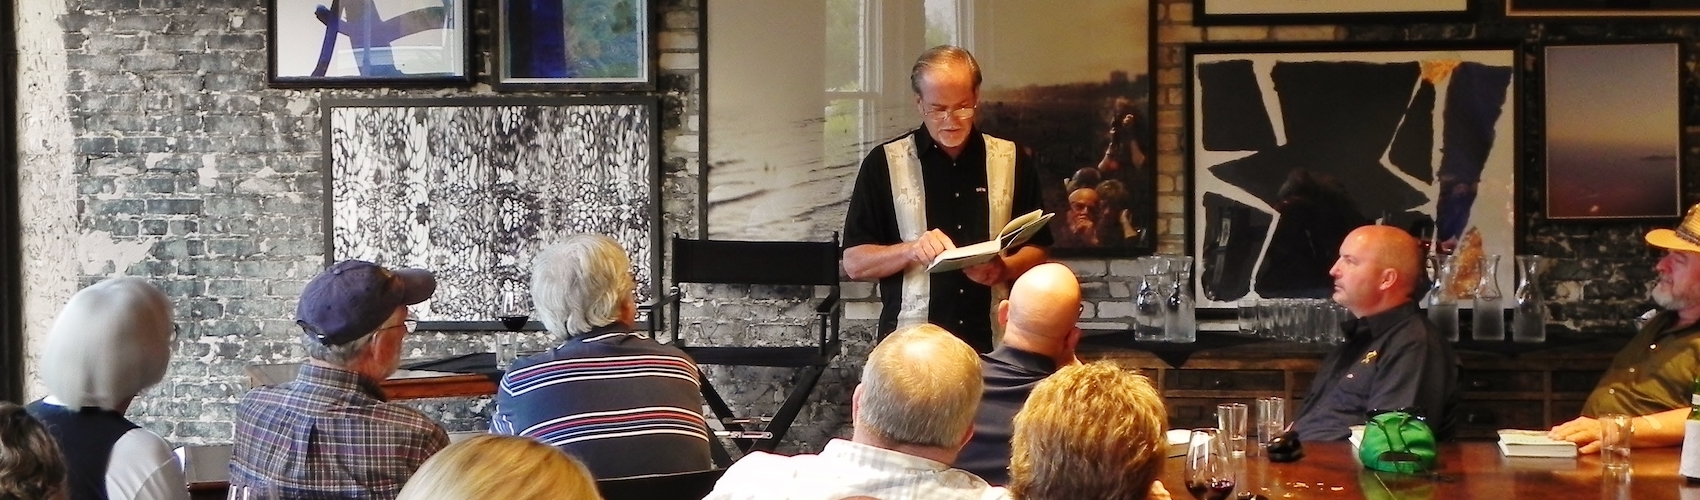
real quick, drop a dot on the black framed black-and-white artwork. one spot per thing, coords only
(1293, 146)
(472, 189)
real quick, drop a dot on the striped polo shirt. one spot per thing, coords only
(620, 402)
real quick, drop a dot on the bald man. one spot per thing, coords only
(1393, 358)
(1039, 338)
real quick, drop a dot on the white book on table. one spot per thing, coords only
(1532, 443)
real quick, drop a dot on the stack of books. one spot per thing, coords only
(1534, 444)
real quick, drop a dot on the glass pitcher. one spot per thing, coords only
(1179, 323)
(1529, 319)
(1442, 304)
(1488, 318)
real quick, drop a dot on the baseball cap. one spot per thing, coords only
(1686, 237)
(353, 297)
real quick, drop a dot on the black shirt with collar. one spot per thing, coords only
(1011, 374)
(1392, 360)
(956, 204)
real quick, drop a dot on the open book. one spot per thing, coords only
(1527, 443)
(1016, 232)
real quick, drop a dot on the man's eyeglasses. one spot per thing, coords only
(939, 115)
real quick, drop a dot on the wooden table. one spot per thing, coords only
(404, 384)
(1467, 470)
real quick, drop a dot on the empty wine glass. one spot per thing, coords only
(1209, 472)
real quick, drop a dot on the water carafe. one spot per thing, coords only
(1488, 318)
(1529, 319)
(1442, 304)
(1179, 323)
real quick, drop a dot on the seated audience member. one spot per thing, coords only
(500, 467)
(1653, 376)
(609, 396)
(1090, 431)
(330, 433)
(112, 341)
(1393, 358)
(1039, 337)
(911, 414)
(30, 465)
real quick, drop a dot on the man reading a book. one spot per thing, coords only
(1653, 377)
(944, 184)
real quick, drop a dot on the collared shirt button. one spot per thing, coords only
(1653, 347)
(1631, 369)
(1611, 391)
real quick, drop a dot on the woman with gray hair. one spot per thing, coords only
(612, 397)
(112, 341)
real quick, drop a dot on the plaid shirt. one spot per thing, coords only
(330, 434)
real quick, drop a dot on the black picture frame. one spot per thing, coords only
(1382, 135)
(424, 47)
(476, 205)
(1613, 131)
(529, 56)
(1263, 12)
(1593, 8)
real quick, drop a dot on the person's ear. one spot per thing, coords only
(1389, 277)
(1003, 312)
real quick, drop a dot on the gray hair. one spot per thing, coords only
(111, 342)
(943, 56)
(341, 354)
(581, 283)
(932, 406)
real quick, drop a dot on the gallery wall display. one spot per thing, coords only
(1601, 8)
(472, 189)
(574, 45)
(1614, 136)
(787, 129)
(359, 43)
(1288, 139)
(1209, 12)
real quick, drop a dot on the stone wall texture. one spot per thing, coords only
(151, 146)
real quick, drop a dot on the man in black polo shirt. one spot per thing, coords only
(1039, 338)
(928, 191)
(1393, 358)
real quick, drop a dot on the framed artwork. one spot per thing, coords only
(1294, 146)
(1213, 12)
(1601, 8)
(365, 43)
(472, 189)
(786, 129)
(1614, 131)
(574, 45)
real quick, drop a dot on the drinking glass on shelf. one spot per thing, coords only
(1209, 471)
(514, 313)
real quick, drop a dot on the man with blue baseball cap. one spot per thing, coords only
(331, 433)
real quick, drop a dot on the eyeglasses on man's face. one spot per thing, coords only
(939, 115)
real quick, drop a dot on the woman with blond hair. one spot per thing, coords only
(30, 466)
(506, 467)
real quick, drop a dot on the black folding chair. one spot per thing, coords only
(680, 486)
(796, 263)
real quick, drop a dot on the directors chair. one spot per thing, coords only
(810, 265)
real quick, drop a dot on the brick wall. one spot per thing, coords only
(150, 146)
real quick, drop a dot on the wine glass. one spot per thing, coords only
(1209, 472)
(514, 313)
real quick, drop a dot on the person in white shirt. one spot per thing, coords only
(112, 341)
(912, 413)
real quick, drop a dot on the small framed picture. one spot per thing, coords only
(1601, 8)
(1614, 131)
(574, 45)
(1210, 12)
(368, 43)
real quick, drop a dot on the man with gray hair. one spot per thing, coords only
(942, 185)
(331, 433)
(617, 400)
(908, 425)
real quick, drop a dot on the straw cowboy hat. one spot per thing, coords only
(1686, 237)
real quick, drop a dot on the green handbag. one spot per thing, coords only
(1397, 441)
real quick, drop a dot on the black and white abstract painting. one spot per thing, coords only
(472, 189)
(1292, 149)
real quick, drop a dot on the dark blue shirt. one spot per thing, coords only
(957, 206)
(1010, 375)
(1390, 361)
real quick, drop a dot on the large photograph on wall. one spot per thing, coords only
(1294, 146)
(1601, 8)
(1613, 131)
(472, 189)
(787, 128)
(314, 43)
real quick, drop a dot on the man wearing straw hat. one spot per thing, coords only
(1653, 376)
